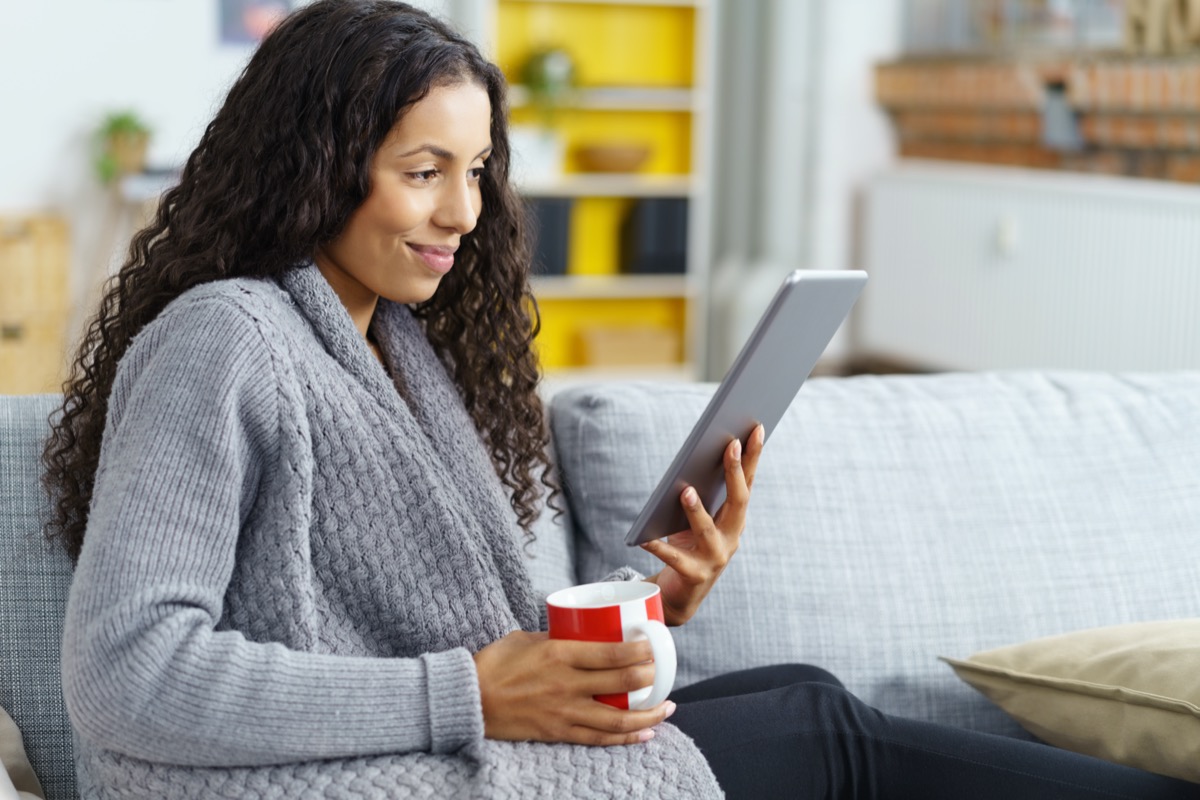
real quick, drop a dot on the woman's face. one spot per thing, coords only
(424, 198)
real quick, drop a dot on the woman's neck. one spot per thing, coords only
(359, 301)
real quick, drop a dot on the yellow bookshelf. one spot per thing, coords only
(613, 44)
(636, 81)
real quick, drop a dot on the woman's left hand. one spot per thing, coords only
(695, 558)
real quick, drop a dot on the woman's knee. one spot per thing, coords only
(754, 680)
(822, 706)
(777, 676)
(788, 674)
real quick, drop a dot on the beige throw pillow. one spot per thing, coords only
(1127, 693)
(13, 762)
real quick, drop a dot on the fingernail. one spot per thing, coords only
(670, 709)
(760, 433)
(646, 735)
(689, 497)
(737, 449)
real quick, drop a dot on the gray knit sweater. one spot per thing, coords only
(287, 567)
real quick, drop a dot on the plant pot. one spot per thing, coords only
(128, 152)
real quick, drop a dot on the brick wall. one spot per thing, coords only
(1133, 116)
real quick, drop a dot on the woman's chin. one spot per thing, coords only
(413, 292)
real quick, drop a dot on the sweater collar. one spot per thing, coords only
(434, 413)
(319, 303)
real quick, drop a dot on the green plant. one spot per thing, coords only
(549, 76)
(120, 142)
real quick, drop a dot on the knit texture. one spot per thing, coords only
(289, 563)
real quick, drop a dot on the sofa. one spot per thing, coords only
(894, 519)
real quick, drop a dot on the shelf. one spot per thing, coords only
(609, 287)
(594, 184)
(557, 379)
(618, 98)
(143, 187)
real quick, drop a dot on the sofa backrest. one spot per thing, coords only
(895, 519)
(33, 592)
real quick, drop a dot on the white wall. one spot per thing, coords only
(790, 198)
(64, 65)
(853, 136)
(854, 139)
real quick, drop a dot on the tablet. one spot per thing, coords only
(761, 384)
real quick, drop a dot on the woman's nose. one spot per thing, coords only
(459, 207)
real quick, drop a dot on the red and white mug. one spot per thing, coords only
(618, 611)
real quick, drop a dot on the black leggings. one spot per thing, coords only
(794, 731)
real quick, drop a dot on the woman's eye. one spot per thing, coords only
(424, 176)
(475, 173)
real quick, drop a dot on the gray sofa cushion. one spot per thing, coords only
(33, 593)
(898, 518)
(550, 557)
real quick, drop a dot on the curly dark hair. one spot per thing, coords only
(276, 175)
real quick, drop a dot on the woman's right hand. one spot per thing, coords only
(541, 689)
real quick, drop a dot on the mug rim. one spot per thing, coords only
(627, 592)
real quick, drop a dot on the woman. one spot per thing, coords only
(302, 574)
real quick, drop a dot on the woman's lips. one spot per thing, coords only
(439, 259)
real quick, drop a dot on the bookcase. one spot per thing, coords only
(642, 78)
(34, 303)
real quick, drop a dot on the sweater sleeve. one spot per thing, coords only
(624, 574)
(193, 417)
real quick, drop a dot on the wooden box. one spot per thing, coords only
(34, 304)
(605, 346)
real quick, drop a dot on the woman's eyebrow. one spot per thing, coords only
(439, 152)
(432, 149)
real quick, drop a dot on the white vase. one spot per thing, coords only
(537, 154)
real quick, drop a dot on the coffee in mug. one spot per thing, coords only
(618, 611)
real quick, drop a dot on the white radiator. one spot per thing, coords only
(996, 268)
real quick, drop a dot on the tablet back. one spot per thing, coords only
(764, 379)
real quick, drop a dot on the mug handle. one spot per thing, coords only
(663, 648)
